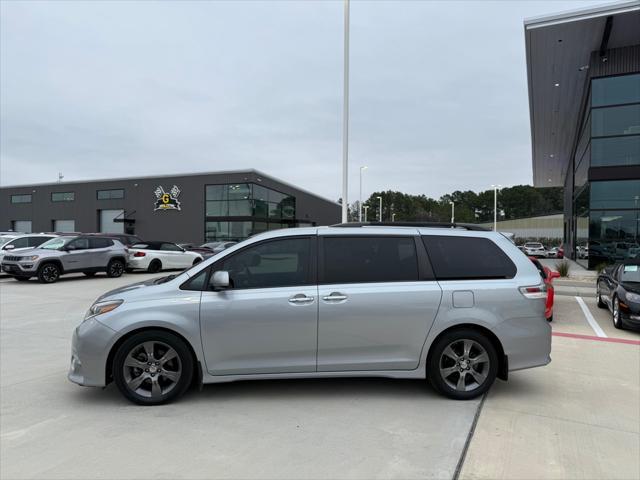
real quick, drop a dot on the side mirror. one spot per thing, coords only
(220, 280)
(9, 247)
(68, 248)
(554, 274)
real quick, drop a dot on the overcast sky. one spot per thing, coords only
(121, 88)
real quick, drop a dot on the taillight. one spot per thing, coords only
(139, 254)
(534, 292)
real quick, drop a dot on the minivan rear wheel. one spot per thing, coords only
(462, 364)
(153, 367)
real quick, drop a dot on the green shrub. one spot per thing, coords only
(601, 266)
(563, 268)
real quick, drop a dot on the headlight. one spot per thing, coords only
(29, 259)
(633, 297)
(99, 308)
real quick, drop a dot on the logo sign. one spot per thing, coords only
(167, 200)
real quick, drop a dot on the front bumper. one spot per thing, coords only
(20, 269)
(90, 346)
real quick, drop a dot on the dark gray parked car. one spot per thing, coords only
(71, 254)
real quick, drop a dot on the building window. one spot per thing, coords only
(615, 90)
(22, 226)
(237, 211)
(63, 196)
(610, 121)
(26, 198)
(111, 194)
(615, 194)
(615, 151)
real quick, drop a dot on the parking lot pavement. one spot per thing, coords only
(579, 417)
(345, 428)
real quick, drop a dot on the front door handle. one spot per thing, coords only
(334, 297)
(300, 299)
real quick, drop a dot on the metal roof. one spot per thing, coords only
(558, 50)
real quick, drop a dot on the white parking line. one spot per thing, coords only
(592, 321)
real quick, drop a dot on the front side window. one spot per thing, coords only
(467, 258)
(369, 259)
(277, 263)
(19, 243)
(170, 247)
(63, 196)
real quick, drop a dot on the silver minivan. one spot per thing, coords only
(457, 306)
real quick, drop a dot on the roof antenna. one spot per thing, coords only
(60, 177)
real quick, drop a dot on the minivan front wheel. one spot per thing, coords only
(463, 364)
(153, 367)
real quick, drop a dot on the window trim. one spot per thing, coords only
(110, 190)
(30, 195)
(425, 271)
(64, 200)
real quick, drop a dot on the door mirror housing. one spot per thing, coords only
(554, 274)
(68, 248)
(220, 280)
(9, 247)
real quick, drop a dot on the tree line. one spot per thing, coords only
(519, 201)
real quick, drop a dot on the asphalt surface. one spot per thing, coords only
(579, 417)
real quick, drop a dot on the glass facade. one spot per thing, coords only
(606, 214)
(237, 211)
(63, 197)
(26, 198)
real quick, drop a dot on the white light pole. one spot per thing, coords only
(345, 119)
(360, 206)
(380, 215)
(495, 207)
(393, 217)
(366, 207)
(453, 210)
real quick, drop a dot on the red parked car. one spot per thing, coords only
(547, 275)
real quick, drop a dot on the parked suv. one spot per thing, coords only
(17, 243)
(67, 254)
(534, 249)
(458, 306)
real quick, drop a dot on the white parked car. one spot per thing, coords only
(22, 241)
(535, 249)
(156, 256)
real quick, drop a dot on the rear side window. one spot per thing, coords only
(369, 259)
(170, 247)
(467, 258)
(100, 242)
(37, 241)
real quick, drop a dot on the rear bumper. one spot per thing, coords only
(526, 341)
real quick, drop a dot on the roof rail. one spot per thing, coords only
(466, 226)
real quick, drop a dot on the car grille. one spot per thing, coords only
(11, 258)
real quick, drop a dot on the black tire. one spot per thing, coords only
(21, 279)
(155, 266)
(196, 261)
(115, 268)
(488, 371)
(185, 365)
(48, 273)
(90, 274)
(599, 301)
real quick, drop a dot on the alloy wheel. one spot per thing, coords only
(464, 365)
(50, 273)
(616, 312)
(116, 269)
(152, 369)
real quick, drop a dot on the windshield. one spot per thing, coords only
(4, 240)
(533, 245)
(630, 273)
(55, 243)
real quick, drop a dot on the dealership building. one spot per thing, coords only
(583, 72)
(189, 208)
